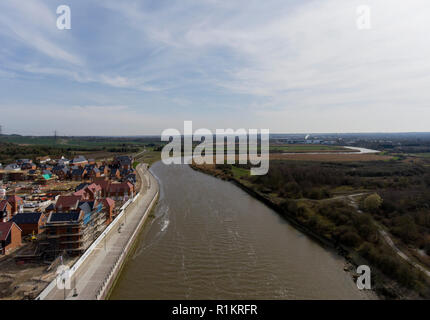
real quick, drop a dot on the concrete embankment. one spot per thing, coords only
(94, 273)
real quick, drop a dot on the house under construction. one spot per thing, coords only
(72, 232)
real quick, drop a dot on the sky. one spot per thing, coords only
(138, 67)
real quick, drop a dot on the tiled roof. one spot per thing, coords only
(79, 193)
(79, 159)
(5, 229)
(67, 201)
(81, 186)
(65, 216)
(27, 217)
(94, 187)
(108, 202)
(120, 186)
(85, 207)
(78, 172)
(123, 160)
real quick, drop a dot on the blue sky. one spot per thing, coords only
(139, 67)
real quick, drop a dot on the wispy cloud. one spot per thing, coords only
(34, 25)
(288, 65)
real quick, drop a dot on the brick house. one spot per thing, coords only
(115, 173)
(108, 208)
(28, 166)
(43, 159)
(64, 232)
(123, 162)
(61, 172)
(94, 173)
(120, 191)
(17, 176)
(104, 183)
(10, 237)
(16, 203)
(30, 222)
(5, 211)
(90, 192)
(78, 174)
(75, 230)
(80, 161)
(103, 170)
(67, 203)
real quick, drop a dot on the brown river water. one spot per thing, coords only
(211, 240)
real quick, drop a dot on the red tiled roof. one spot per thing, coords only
(120, 186)
(5, 229)
(104, 184)
(94, 187)
(79, 193)
(67, 201)
(108, 202)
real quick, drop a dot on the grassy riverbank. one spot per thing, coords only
(317, 203)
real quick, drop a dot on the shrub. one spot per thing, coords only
(351, 239)
(372, 202)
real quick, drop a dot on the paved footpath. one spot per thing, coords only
(89, 277)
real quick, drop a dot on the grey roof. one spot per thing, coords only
(123, 160)
(12, 166)
(85, 207)
(81, 186)
(26, 217)
(65, 216)
(79, 159)
(78, 171)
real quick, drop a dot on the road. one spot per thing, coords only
(390, 242)
(89, 277)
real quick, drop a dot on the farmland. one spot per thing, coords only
(304, 148)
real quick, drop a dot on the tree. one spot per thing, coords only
(372, 202)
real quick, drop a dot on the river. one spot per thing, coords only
(210, 240)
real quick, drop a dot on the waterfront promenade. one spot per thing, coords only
(88, 279)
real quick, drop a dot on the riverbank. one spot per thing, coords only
(384, 287)
(101, 263)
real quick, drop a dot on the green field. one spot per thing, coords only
(422, 155)
(75, 141)
(239, 172)
(14, 147)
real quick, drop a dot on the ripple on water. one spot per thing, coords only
(211, 240)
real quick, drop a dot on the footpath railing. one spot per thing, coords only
(90, 250)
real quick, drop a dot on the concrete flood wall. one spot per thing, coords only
(116, 268)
